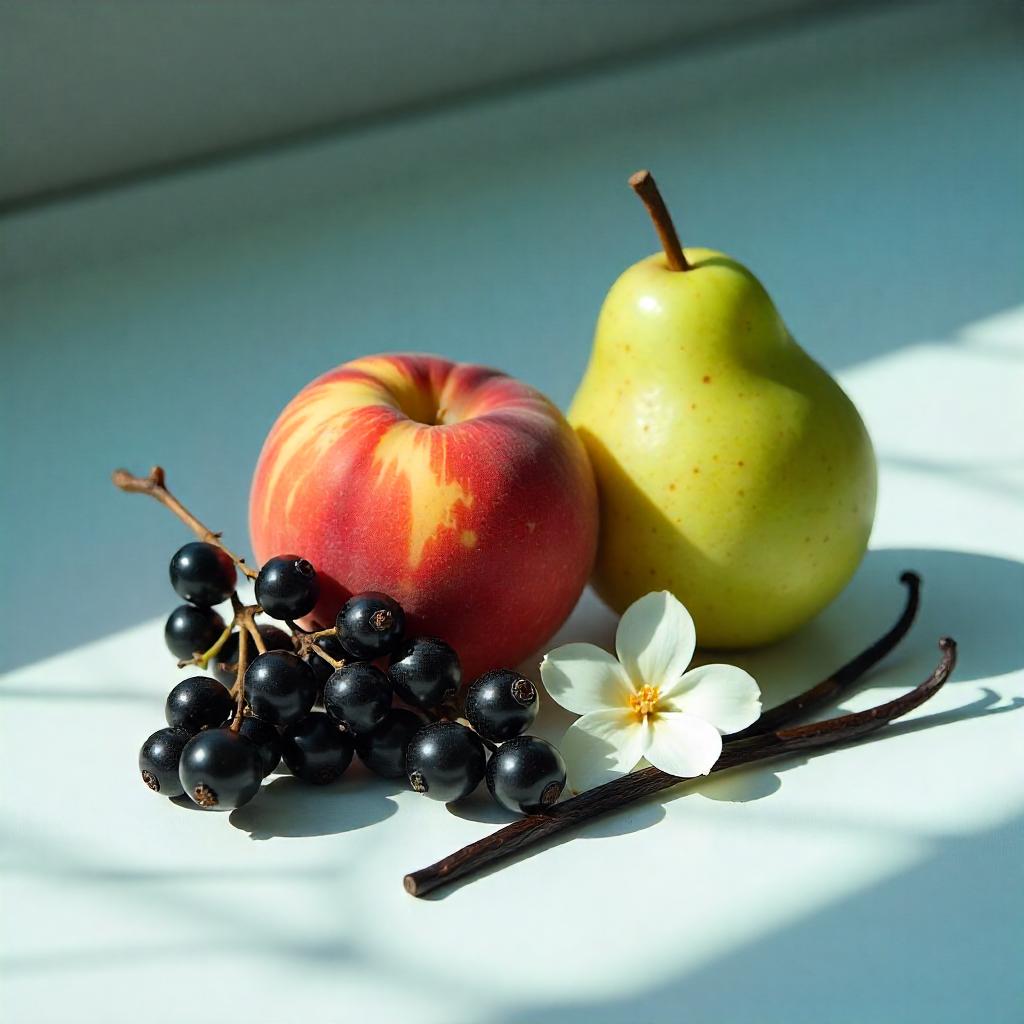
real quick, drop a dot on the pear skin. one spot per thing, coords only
(732, 469)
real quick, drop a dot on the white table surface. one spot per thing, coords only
(880, 882)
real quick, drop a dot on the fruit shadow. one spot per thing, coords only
(287, 808)
(736, 785)
(977, 599)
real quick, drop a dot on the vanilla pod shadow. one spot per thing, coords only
(979, 599)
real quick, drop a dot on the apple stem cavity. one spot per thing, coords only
(773, 735)
(643, 184)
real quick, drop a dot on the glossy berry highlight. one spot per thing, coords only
(287, 587)
(445, 761)
(196, 703)
(316, 750)
(370, 625)
(190, 630)
(426, 672)
(501, 704)
(202, 574)
(357, 697)
(266, 739)
(159, 759)
(220, 770)
(526, 774)
(225, 665)
(280, 687)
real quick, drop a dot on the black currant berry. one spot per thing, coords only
(383, 751)
(323, 670)
(287, 587)
(225, 665)
(526, 774)
(445, 760)
(501, 704)
(266, 739)
(220, 769)
(158, 761)
(426, 672)
(358, 696)
(316, 750)
(198, 702)
(370, 625)
(192, 630)
(202, 574)
(280, 687)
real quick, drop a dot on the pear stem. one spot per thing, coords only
(643, 184)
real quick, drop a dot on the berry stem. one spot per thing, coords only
(333, 662)
(643, 184)
(522, 834)
(489, 744)
(201, 660)
(239, 687)
(155, 486)
(245, 617)
(450, 713)
(306, 642)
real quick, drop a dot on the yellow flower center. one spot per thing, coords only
(645, 700)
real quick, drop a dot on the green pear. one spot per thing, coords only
(732, 469)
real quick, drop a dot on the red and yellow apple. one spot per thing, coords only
(460, 491)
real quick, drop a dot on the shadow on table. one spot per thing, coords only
(933, 942)
(289, 808)
(977, 599)
(737, 786)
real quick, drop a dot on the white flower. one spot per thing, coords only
(645, 704)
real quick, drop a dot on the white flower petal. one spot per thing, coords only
(656, 639)
(683, 745)
(582, 678)
(602, 746)
(723, 695)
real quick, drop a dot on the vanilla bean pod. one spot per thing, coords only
(829, 690)
(525, 832)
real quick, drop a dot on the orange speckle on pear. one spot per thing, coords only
(707, 379)
(693, 405)
(696, 469)
(468, 538)
(672, 486)
(740, 463)
(741, 493)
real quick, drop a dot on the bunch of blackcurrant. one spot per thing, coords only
(314, 699)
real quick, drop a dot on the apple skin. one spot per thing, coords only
(458, 490)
